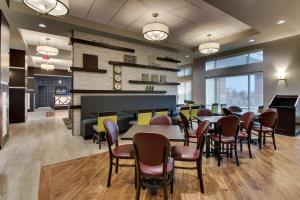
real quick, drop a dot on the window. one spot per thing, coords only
(231, 61)
(185, 88)
(184, 92)
(245, 91)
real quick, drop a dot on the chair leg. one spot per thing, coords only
(94, 139)
(264, 138)
(219, 153)
(273, 137)
(230, 154)
(236, 156)
(227, 150)
(207, 146)
(165, 191)
(241, 145)
(117, 166)
(259, 139)
(109, 173)
(99, 140)
(249, 148)
(172, 181)
(200, 176)
(135, 177)
(138, 191)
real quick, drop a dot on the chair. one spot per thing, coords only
(215, 108)
(226, 112)
(185, 126)
(161, 120)
(222, 106)
(162, 111)
(234, 109)
(193, 114)
(189, 102)
(204, 112)
(268, 121)
(120, 151)
(185, 110)
(227, 133)
(155, 167)
(189, 154)
(143, 118)
(247, 120)
(260, 109)
(99, 129)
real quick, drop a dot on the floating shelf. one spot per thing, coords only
(81, 69)
(118, 91)
(116, 63)
(168, 60)
(152, 83)
(102, 45)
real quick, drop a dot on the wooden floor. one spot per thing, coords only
(269, 175)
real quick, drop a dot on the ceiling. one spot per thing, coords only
(189, 20)
(34, 38)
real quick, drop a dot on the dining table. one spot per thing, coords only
(172, 132)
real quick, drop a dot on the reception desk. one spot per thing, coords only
(61, 101)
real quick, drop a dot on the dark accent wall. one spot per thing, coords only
(4, 78)
(45, 89)
(279, 54)
(17, 86)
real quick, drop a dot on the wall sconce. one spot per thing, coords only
(281, 75)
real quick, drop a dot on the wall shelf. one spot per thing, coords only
(81, 69)
(168, 60)
(116, 63)
(102, 45)
(152, 83)
(118, 91)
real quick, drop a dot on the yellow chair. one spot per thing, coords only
(144, 117)
(193, 114)
(215, 108)
(260, 109)
(99, 127)
(162, 111)
(185, 110)
(223, 106)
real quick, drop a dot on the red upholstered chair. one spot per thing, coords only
(228, 129)
(268, 121)
(187, 133)
(234, 109)
(226, 112)
(120, 151)
(154, 166)
(190, 154)
(161, 120)
(204, 112)
(247, 120)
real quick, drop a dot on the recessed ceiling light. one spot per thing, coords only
(42, 26)
(252, 40)
(281, 22)
(187, 56)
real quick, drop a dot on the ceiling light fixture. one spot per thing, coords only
(42, 26)
(281, 22)
(47, 67)
(49, 7)
(209, 47)
(155, 31)
(252, 40)
(47, 50)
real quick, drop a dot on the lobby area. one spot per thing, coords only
(149, 99)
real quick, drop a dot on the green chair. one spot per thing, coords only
(143, 118)
(99, 129)
(260, 109)
(215, 108)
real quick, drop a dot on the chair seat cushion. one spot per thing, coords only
(192, 133)
(264, 129)
(96, 129)
(156, 170)
(243, 134)
(184, 153)
(226, 140)
(123, 151)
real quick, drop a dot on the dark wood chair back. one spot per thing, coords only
(234, 109)
(228, 126)
(151, 148)
(268, 119)
(204, 112)
(202, 130)
(247, 121)
(112, 132)
(161, 120)
(226, 112)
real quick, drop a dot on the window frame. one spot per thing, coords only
(234, 55)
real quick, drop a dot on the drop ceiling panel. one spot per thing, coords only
(102, 11)
(80, 8)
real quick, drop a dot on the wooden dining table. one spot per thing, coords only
(172, 132)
